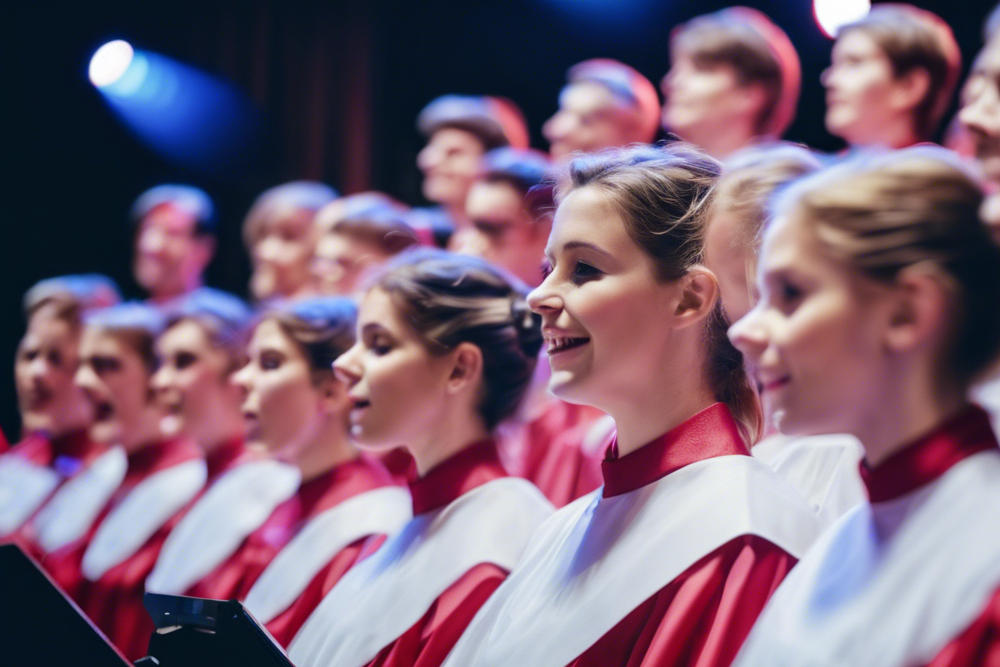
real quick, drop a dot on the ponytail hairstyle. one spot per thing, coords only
(321, 327)
(450, 299)
(664, 196)
(881, 214)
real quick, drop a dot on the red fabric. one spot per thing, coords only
(429, 640)
(114, 602)
(702, 617)
(472, 466)
(929, 457)
(234, 577)
(227, 456)
(709, 433)
(286, 625)
(4, 444)
(400, 465)
(547, 451)
(979, 644)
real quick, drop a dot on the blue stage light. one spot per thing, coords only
(190, 117)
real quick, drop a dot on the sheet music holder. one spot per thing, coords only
(40, 625)
(198, 631)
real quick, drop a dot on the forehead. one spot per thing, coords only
(587, 215)
(170, 218)
(790, 243)
(270, 334)
(456, 138)
(586, 97)
(101, 342)
(378, 309)
(487, 197)
(988, 60)
(336, 244)
(857, 44)
(185, 333)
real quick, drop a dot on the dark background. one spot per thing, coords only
(339, 83)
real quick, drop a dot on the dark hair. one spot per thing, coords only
(322, 327)
(71, 296)
(137, 324)
(223, 316)
(663, 196)
(528, 171)
(881, 214)
(385, 229)
(450, 299)
(193, 201)
(495, 121)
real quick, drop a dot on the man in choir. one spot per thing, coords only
(891, 77)
(824, 469)
(100, 533)
(459, 130)
(174, 240)
(510, 207)
(55, 415)
(734, 80)
(604, 104)
(280, 234)
(355, 239)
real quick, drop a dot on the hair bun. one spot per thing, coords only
(527, 323)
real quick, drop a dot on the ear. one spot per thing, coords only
(332, 395)
(466, 368)
(920, 312)
(698, 296)
(910, 89)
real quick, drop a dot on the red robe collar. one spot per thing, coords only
(709, 433)
(67, 453)
(227, 456)
(344, 480)
(471, 467)
(930, 456)
(157, 456)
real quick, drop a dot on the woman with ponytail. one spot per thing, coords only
(669, 562)
(445, 351)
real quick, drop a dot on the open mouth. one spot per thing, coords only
(38, 397)
(103, 411)
(562, 344)
(360, 403)
(773, 384)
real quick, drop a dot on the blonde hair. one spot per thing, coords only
(881, 214)
(915, 38)
(663, 196)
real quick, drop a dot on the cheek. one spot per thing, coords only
(285, 404)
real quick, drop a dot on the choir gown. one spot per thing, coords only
(407, 603)
(911, 578)
(669, 563)
(32, 470)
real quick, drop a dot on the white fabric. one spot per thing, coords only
(24, 486)
(377, 512)
(140, 514)
(891, 583)
(823, 468)
(384, 595)
(597, 559)
(987, 394)
(73, 509)
(211, 531)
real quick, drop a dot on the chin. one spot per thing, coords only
(567, 388)
(107, 433)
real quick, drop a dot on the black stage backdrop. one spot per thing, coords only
(340, 84)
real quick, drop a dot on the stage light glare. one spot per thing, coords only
(833, 14)
(110, 62)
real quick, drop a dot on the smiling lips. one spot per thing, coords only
(557, 344)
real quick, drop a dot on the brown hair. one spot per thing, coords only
(385, 229)
(882, 214)
(749, 179)
(915, 38)
(757, 49)
(322, 328)
(664, 196)
(449, 299)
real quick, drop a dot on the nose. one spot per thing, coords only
(241, 379)
(749, 334)
(151, 240)
(979, 111)
(85, 378)
(162, 379)
(545, 300)
(347, 367)
(38, 367)
(428, 158)
(826, 77)
(556, 127)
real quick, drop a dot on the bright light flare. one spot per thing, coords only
(110, 62)
(833, 14)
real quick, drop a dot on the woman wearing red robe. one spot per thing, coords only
(54, 412)
(296, 409)
(446, 348)
(670, 561)
(879, 284)
(108, 522)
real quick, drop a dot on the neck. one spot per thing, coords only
(221, 431)
(721, 142)
(911, 408)
(451, 436)
(148, 431)
(328, 449)
(891, 135)
(456, 212)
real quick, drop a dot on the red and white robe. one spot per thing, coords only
(408, 602)
(668, 564)
(911, 578)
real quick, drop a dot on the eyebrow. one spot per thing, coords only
(372, 326)
(576, 245)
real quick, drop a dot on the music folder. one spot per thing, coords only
(198, 631)
(40, 625)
